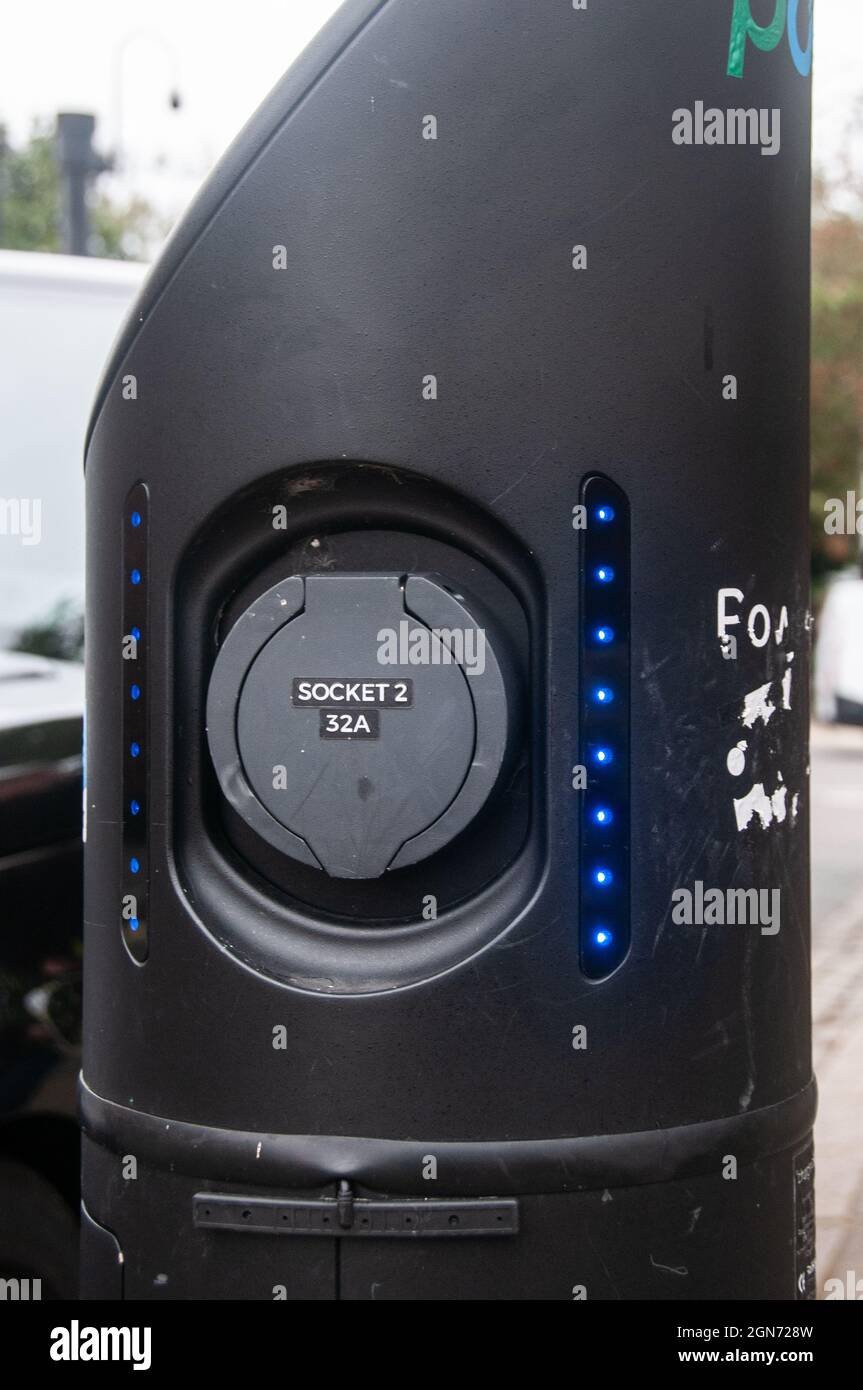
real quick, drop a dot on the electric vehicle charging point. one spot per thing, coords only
(468, 446)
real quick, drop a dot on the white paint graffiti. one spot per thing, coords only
(756, 705)
(786, 684)
(759, 804)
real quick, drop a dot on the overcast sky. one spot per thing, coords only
(224, 57)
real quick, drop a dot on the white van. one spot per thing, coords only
(839, 652)
(58, 318)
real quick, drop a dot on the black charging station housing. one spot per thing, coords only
(458, 306)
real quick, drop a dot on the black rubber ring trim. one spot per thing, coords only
(469, 1169)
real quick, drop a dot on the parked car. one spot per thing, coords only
(839, 653)
(58, 316)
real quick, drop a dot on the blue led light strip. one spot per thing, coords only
(604, 634)
(135, 869)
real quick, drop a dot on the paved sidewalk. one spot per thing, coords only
(837, 998)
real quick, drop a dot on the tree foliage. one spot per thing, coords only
(30, 205)
(837, 360)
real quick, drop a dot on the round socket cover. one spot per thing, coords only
(357, 722)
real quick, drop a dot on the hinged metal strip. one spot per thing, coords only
(355, 1217)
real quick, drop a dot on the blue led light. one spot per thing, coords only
(604, 574)
(603, 756)
(134, 807)
(135, 576)
(602, 937)
(136, 633)
(135, 692)
(134, 865)
(603, 877)
(605, 513)
(134, 748)
(134, 923)
(604, 634)
(135, 519)
(602, 695)
(603, 816)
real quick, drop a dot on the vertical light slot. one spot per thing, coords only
(134, 894)
(604, 720)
